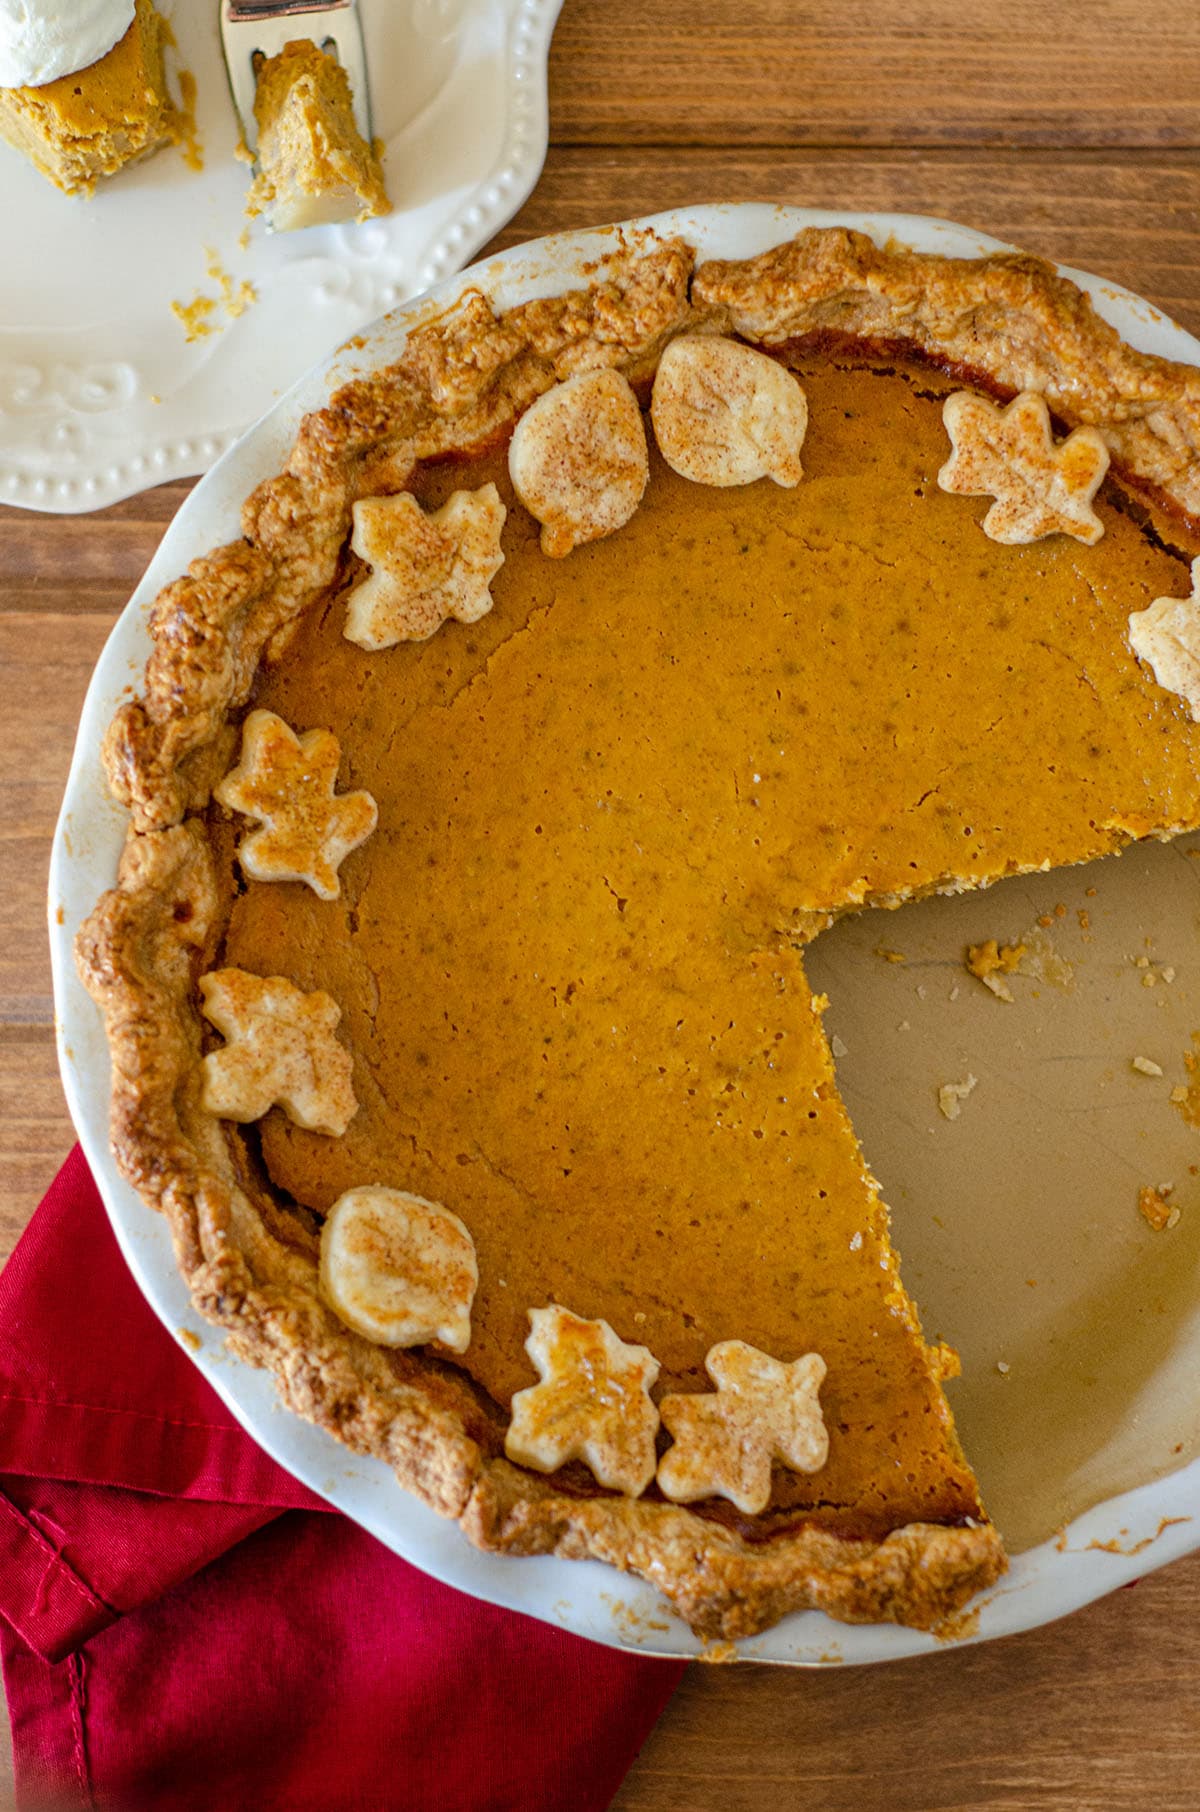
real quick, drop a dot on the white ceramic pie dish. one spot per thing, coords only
(1140, 1528)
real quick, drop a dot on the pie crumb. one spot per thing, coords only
(235, 297)
(958, 1628)
(191, 144)
(196, 317)
(1152, 973)
(951, 1096)
(1155, 1208)
(1033, 954)
(991, 961)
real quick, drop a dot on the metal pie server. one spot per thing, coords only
(254, 29)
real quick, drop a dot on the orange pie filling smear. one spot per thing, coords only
(612, 812)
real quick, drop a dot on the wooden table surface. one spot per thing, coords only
(1071, 129)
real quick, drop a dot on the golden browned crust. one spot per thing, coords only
(1010, 318)
(725, 1586)
(463, 377)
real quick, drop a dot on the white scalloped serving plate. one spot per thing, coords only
(1045, 1582)
(102, 395)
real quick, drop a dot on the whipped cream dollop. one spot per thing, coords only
(41, 40)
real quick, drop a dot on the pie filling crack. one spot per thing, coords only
(642, 725)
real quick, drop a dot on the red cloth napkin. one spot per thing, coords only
(185, 1626)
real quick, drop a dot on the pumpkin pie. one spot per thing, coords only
(636, 634)
(87, 125)
(314, 166)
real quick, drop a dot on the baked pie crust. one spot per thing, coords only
(1005, 324)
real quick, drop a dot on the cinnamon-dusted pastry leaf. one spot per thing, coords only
(725, 1443)
(398, 1269)
(423, 568)
(288, 782)
(1167, 637)
(578, 460)
(593, 1403)
(1041, 488)
(281, 1049)
(725, 414)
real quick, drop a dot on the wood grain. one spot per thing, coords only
(1095, 1711)
(1072, 131)
(1108, 73)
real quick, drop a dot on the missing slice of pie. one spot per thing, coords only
(508, 774)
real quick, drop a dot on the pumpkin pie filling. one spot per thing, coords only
(314, 166)
(612, 812)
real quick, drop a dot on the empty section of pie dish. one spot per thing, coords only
(1118, 1446)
